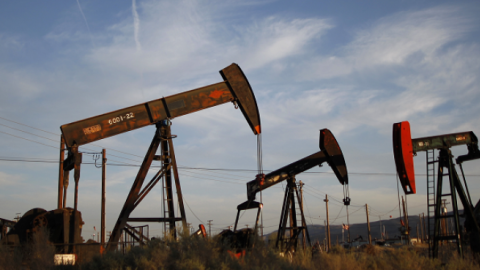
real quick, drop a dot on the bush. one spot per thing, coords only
(197, 253)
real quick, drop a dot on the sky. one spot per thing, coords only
(354, 67)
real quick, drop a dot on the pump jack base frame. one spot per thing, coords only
(162, 138)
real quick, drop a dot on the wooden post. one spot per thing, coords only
(104, 173)
(210, 228)
(421, 227)
(325, 242)
(329, 244)
(418, 235)
(303, 223)
(425, 236)
(60, 173)
(368, 226)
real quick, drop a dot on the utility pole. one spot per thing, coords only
(368, 226)
(210, 228)
(325, 242)
(328, 223)
(60, 172)
(421, 227)
(407, 232)
(425, 236)
(301, 184)
(104, 173)
(381, 234)
(418, 235)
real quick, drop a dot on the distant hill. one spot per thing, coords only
(392, 229)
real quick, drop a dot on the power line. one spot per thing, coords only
(56, 134)
(28, 126)
(28, 133)
(192, 211)
(191, 168)
(29, 140)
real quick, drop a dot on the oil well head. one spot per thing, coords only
(56, 223)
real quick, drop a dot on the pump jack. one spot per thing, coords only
(404, 148)
(331, 153)
(235, 88)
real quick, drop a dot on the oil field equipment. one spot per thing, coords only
(235, 88)
(56, 224)
(404, 148)
(331, 153)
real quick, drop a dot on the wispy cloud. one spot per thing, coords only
(9, 180)
(393, 39)
(275, 39)
(136, 26)
(86, 23)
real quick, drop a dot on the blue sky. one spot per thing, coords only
(352, 67)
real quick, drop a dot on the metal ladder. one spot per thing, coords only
(441, 234)
(431, 179)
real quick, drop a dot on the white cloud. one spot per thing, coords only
(11, 42)
(136, 25)
(9, 179)
(396, 37)
(392, 41)
(275, 39)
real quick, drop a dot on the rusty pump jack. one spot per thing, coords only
(235, 88)
(404, 148)
(331, 153)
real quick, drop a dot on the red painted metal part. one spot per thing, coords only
(203, 230)
(403, 154)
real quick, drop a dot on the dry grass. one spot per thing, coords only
(37, 255)
(189, 253)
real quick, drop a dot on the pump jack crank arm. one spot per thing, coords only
(234, 88)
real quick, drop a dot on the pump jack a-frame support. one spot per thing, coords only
(289, 210)
(162, 138)
(445, 161)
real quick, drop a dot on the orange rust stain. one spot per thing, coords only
(208, 103)
(216, 94)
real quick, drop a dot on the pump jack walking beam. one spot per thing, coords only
(235, 88)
